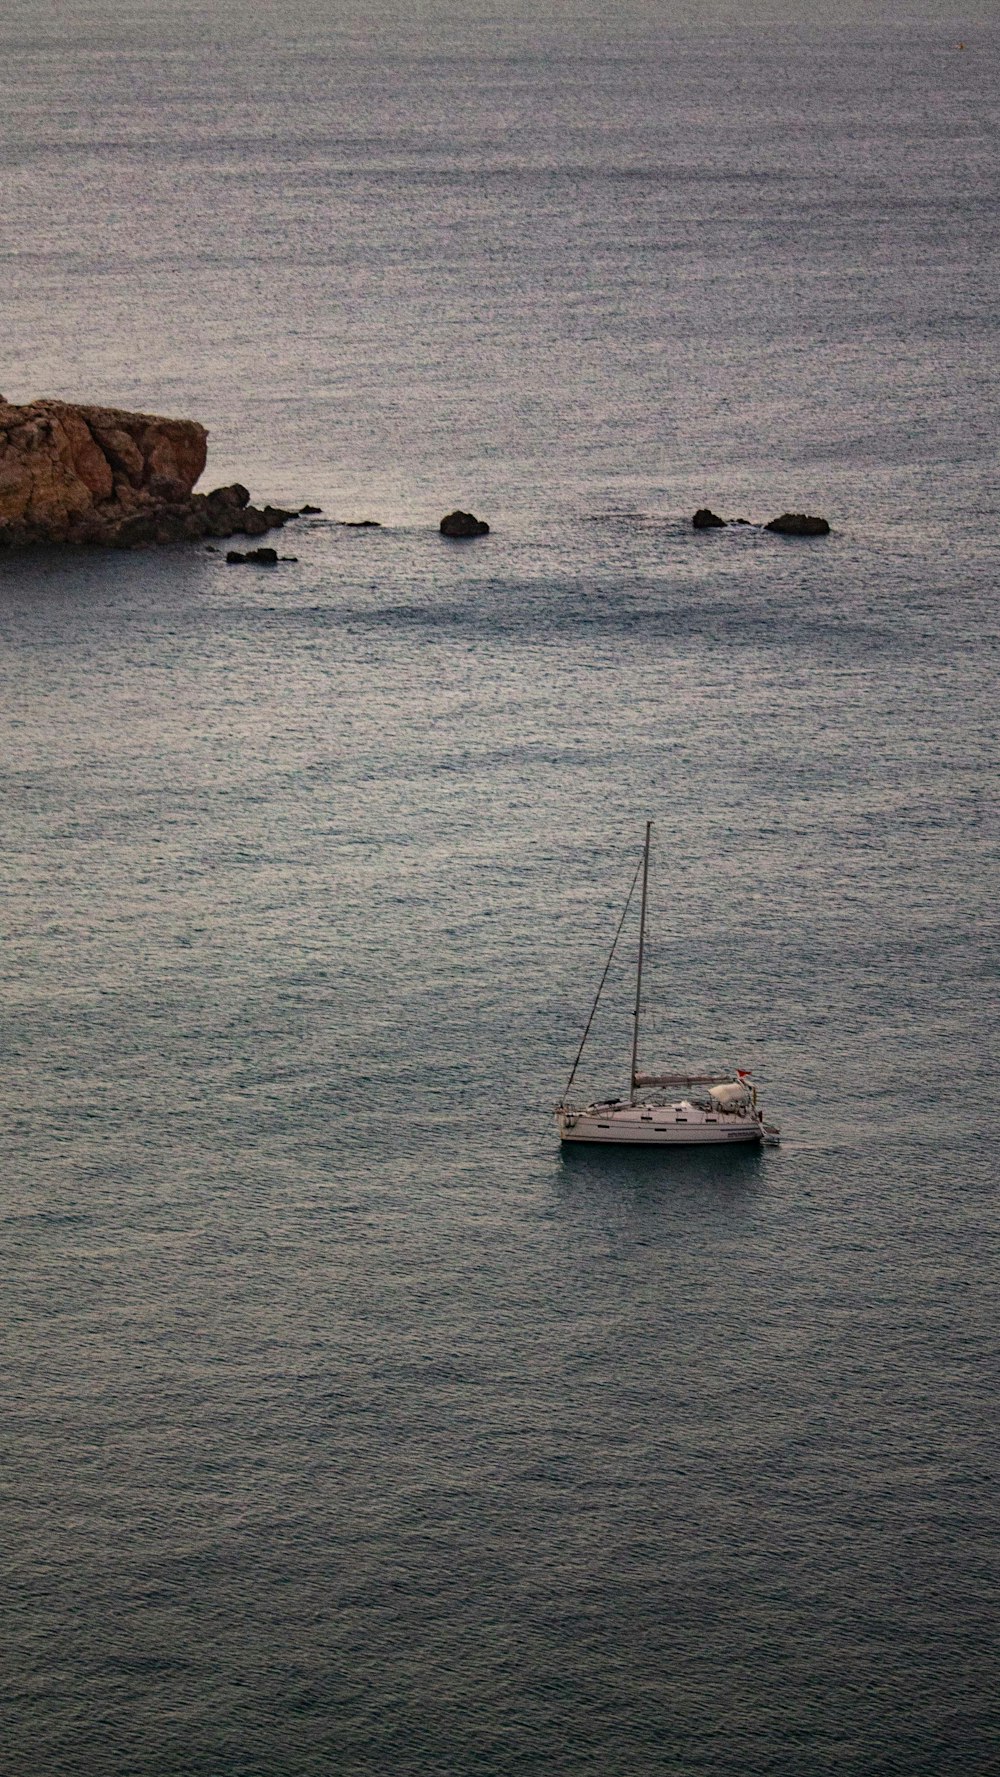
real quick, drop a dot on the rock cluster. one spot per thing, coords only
(72, 474)
(791, 524)
(261, 558)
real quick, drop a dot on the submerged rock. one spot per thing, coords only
(463, 524)
(359, 524)
(706, 520)
(100, 475)
(799, 524)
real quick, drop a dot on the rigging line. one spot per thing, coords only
(600, 990)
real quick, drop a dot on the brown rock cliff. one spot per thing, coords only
(72, 474)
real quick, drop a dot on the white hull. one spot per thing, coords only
(658, 1126)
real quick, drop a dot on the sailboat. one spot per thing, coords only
(718, 1107)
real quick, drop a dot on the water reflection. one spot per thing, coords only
(650, 1175)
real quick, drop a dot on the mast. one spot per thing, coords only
(638, 972)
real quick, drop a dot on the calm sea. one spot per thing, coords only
(347, 1425)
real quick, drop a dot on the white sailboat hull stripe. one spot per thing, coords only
(640, 1133)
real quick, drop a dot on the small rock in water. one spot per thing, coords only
(799, 524)
(306, 511)
(360, 524)
(264, 558)
(706, 520)
(464, 524)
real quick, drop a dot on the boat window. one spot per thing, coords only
(659, 1129)
(604, 1125)
(680, 1119)
(711, 1119)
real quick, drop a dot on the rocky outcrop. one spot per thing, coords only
(99, 475)
(799, 524)
(706, 520)
(464, 524)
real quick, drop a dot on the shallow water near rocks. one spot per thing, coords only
(348, 1424)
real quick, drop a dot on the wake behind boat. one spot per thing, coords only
(718, 1107)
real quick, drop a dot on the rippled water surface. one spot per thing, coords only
(348, 1425)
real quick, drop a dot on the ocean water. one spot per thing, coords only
(347, 1424)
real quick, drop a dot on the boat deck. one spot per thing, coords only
(659, 1125)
